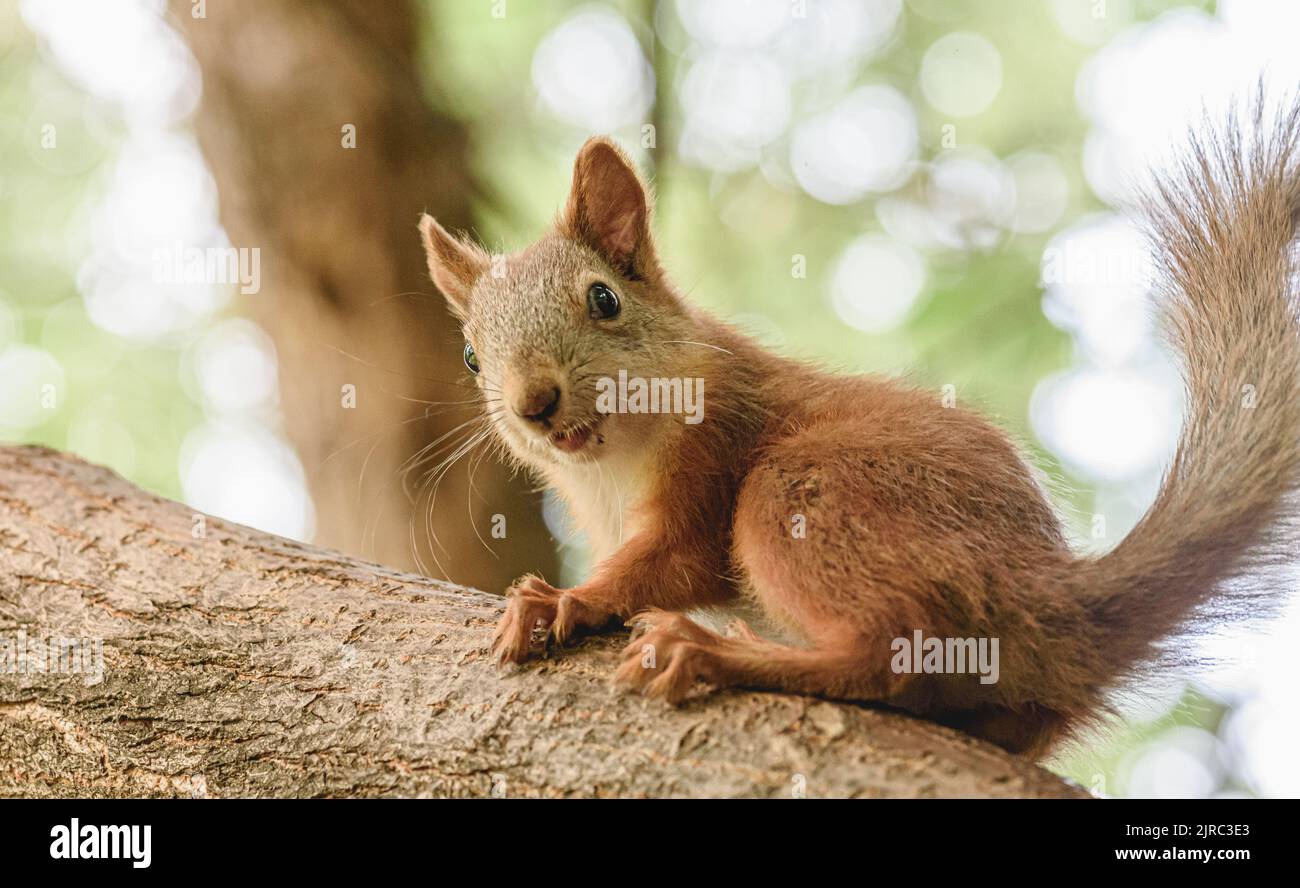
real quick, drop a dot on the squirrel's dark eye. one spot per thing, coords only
(471, 359)
(601, 302)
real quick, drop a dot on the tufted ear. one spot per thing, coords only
(454, 264)
(608, 208)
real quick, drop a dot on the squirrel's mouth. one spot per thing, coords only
(576, 437)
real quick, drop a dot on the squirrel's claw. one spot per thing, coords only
(532, 604)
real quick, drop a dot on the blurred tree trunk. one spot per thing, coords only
(345, 294)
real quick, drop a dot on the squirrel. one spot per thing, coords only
(915, 517)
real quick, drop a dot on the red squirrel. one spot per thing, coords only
(847, 512)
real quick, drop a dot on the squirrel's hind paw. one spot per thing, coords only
(667, 655)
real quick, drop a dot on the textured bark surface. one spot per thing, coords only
(241, 664)
(345, 292)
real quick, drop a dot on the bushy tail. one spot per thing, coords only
(1224, 226)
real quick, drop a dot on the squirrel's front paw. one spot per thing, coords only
(534, 604)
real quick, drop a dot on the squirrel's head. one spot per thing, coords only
(547, 327)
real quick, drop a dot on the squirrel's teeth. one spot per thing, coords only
(572, 440)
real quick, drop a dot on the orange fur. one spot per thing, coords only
(917, 516)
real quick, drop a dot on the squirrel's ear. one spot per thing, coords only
(453, 264)
(608, 208)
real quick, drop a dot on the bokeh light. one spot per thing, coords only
(32, 390)
(592, 72)
(1109, 424)
(1182, 763)
(122, 51)
(876, 282)
(1096, 277)
(244, 473)
(961, 74)
(234, 366)
(1042, 192)
(866, 143)
(734, 23)
(735, 103)
(972, 197)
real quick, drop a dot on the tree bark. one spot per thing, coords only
(236, 663)
(345, 293)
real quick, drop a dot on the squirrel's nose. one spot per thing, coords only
(539, 404)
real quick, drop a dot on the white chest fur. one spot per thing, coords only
(601, 498)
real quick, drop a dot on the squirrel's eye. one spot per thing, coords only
(601, 302)
(471, 359)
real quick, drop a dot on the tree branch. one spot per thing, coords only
(240, 664)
